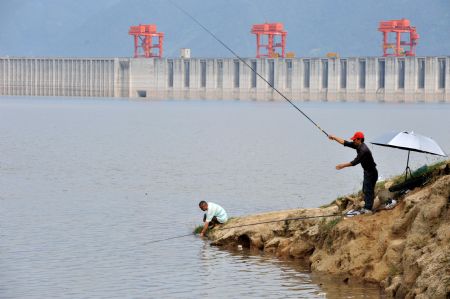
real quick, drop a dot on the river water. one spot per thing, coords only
(86, 185)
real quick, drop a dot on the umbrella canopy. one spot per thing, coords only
(410, 141)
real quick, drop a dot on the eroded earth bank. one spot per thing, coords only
(406, 249)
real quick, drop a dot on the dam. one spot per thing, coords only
(371, 79)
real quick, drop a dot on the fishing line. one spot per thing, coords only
(245, 63)
(161, 240)
(250, 224)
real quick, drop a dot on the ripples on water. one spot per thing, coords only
(86, 184)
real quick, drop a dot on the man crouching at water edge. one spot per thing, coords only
(364, 156)
(215, 214)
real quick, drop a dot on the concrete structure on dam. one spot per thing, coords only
(389, 79)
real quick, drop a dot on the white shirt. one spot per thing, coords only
(216, 210)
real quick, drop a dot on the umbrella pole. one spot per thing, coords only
(407, 168)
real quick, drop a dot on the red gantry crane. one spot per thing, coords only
(398, 48)
(270, 30)
(146, 38)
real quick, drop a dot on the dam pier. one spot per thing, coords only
(371, 79)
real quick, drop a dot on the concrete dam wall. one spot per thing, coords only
(389, 79)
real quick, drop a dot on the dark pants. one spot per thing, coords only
(370, 179)
(213, 221)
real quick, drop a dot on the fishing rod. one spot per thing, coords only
(245, 63)
(250, 224)
(279, 220)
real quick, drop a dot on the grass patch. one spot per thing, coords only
(398, 179)
(325, 226)
(198, 229)
(424, 170)
(332, 223)
(394, 271)
(380, 185)
(429, 168)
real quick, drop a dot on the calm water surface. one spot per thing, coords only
(86, 184)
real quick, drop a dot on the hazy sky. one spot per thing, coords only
(100, 27)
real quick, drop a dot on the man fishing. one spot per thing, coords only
(215, 214)
(364, 156)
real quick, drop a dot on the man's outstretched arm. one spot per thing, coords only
(343, 165)
(205, 228)
(337, 139)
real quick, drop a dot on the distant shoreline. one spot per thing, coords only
(143, 100)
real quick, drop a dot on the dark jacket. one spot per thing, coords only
(364, 156)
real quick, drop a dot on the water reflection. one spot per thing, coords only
(279, 278)
(86, 183)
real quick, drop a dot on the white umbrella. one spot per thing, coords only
(410, 141)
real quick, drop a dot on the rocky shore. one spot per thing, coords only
(406, 250)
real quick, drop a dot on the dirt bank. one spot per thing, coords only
(406, 250)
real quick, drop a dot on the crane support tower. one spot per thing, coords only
(148, 40)
(399, 47)
(271, 31)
